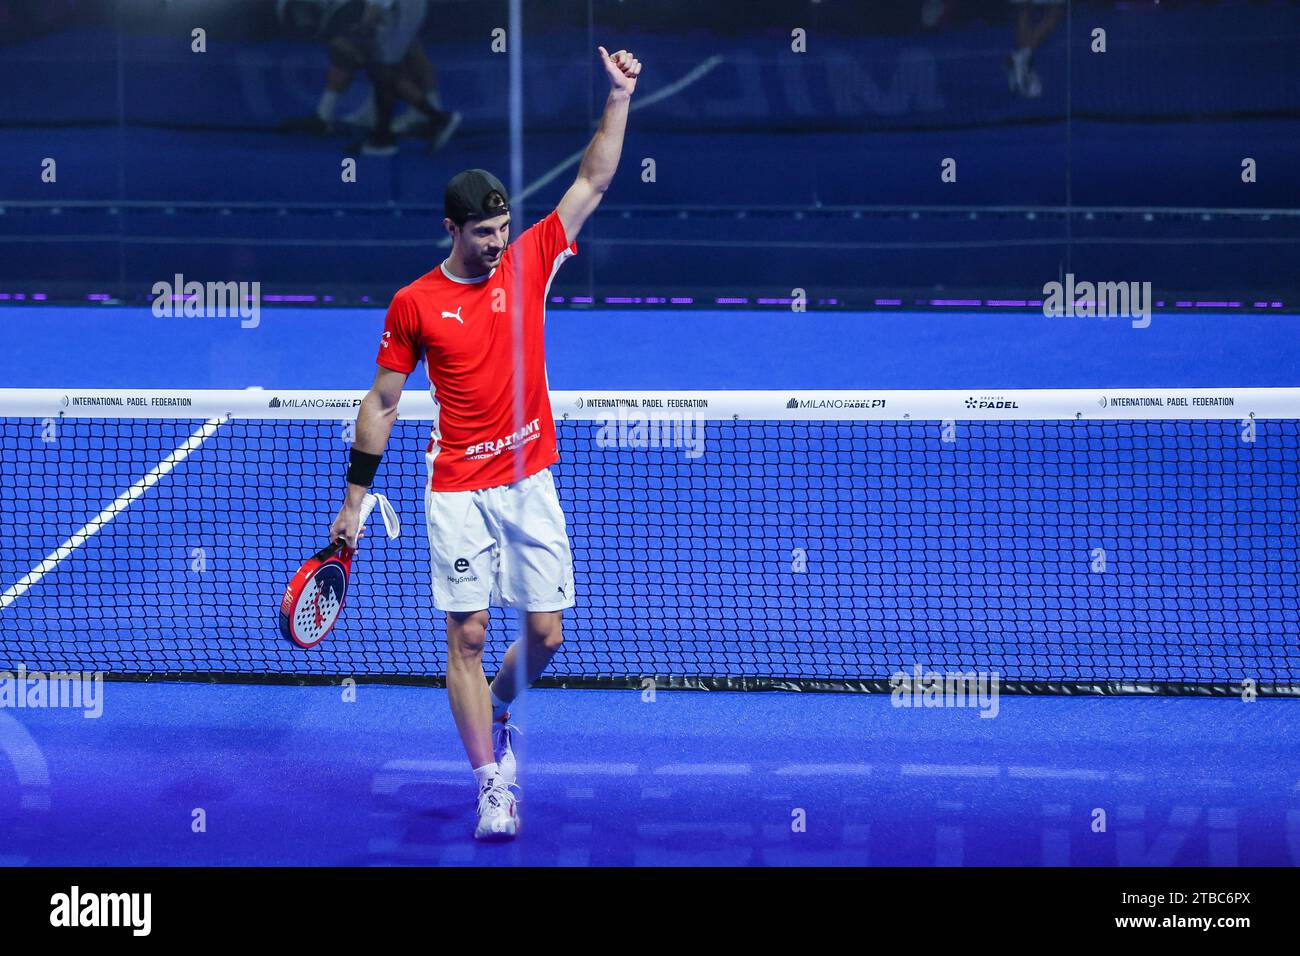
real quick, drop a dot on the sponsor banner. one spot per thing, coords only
(596, 406)
(178, 403)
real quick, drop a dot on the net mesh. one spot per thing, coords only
(812, 550)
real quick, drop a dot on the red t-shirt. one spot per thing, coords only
(465, 330)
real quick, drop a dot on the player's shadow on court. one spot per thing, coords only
(418, 815)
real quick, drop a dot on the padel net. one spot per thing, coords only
(1070, 541)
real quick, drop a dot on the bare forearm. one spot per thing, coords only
(374, 426)
(601, 158)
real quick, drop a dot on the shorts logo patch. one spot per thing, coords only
(461, 566)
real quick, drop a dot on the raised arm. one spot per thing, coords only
(596, 170)
(375, 420)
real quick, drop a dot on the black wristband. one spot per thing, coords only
(362, 467)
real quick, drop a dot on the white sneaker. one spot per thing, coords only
(1033, 87)
(1017, 65)
(408, 121)
(502, 737)
(363, 116)
(498, 812)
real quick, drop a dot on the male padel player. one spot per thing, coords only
(496, 532)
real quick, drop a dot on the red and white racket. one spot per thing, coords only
(314, 598)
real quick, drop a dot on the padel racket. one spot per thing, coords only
(314, 598)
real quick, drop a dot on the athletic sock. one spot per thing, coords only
(328, 100)
(499, 706)
(484, 774)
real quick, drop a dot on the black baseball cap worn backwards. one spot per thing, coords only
(474, 194)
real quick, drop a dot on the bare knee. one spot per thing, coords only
(465, 635)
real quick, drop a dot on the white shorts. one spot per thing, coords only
(505, 546)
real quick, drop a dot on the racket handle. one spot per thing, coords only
(367, 506)
(386, 510)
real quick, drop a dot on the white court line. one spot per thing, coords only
(704, 769)
(120, 504)
(699, 71)
(949, 770)
(426, 766)
(596, 769)
(823, 769)
(461, 767)
(1056, 773)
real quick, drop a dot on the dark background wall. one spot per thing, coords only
(774, 169)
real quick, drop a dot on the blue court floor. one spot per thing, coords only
(297, 775)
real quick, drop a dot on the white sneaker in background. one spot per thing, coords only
(363, 116)
(1017, 67)
(408, 121)
(1033, 86)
